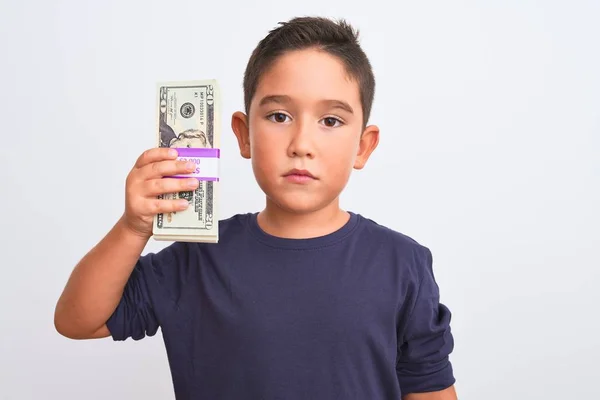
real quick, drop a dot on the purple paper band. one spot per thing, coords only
(200, 178)
(198, 152)
(206, 160)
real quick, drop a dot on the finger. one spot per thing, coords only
(154, 155)
(158, 206)
(160, 169)
(155, 187)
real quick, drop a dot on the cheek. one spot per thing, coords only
(262, 160)
(263, 149)
(340, 155)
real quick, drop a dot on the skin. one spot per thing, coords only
(306, 114)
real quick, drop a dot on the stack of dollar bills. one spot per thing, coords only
(189, 120)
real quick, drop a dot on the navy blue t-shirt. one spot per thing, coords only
(354, 314)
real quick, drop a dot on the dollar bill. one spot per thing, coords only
(189, 116)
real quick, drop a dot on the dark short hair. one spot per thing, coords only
(337, 38)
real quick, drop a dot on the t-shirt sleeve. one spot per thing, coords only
(425, 341)
(150, 293)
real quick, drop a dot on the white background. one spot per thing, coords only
(489, 155)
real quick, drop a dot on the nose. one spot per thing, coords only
(301, 143)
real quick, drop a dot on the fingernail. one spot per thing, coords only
(173, 153)
(192, 183)
(184, 203)
(190, 165)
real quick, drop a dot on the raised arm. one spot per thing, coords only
(96, 284)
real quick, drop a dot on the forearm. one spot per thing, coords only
(96, 284)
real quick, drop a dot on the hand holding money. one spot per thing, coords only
(146, 181)
(189, 121)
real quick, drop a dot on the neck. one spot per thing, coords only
(294, 225)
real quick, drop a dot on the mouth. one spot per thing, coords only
(299, 176)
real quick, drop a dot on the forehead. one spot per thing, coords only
(309, 76)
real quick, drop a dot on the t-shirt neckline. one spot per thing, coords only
(305, 243)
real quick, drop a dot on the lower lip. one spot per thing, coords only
(298, 178)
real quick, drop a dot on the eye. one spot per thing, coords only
(278, 117)
(332, 121)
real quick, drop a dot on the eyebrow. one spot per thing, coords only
(276, 98)
(284, 100)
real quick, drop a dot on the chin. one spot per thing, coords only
(300, 200)
(299, 203)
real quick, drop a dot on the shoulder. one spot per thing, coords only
(396, 245)
(233, 233)
(178, 260)
(397, 239)
(234, 224)
(234, 229)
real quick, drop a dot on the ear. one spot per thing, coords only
(368, 143)
(239, 124)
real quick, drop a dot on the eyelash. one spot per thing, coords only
(338, 120)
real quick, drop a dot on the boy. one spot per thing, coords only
(301, 300)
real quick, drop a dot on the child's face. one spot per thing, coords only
(306, 114)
